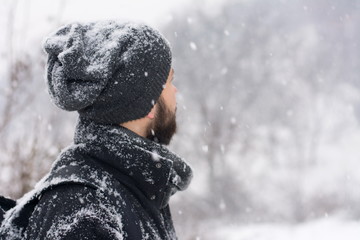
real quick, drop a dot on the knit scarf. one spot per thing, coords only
(157, 172)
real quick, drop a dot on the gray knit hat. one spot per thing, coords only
(109, 72)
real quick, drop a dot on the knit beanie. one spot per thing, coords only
(109, 72)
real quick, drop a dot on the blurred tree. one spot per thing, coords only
(28, 141)
(257, 79)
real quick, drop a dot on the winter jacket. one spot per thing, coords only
(110, 184)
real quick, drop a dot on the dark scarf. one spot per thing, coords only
(152, 168)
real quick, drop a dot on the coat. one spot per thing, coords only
(110, 184)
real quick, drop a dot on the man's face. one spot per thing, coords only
(164, 126)
(169, 93)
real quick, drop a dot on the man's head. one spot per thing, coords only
(109, 72)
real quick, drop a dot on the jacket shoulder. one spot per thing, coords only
(74, 210)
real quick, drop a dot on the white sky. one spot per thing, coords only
(153, 11)
(34, 19)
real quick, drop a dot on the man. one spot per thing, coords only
(115, 181)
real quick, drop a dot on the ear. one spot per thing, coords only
(151, 114)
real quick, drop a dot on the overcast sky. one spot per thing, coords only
(34, 19)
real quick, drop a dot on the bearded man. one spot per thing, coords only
(115, 180)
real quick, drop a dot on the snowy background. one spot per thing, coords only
(268, 110)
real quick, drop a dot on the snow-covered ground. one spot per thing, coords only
(324, 229)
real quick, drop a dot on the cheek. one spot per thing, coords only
(169, 95)
(171, 99)
(174, 95)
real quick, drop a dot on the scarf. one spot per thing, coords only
(156, 171)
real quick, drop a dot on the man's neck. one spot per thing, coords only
(138, 126)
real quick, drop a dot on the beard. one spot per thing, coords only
(164, 126)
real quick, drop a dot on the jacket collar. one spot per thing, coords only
(157, 172)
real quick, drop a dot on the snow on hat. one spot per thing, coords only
(109, 72)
